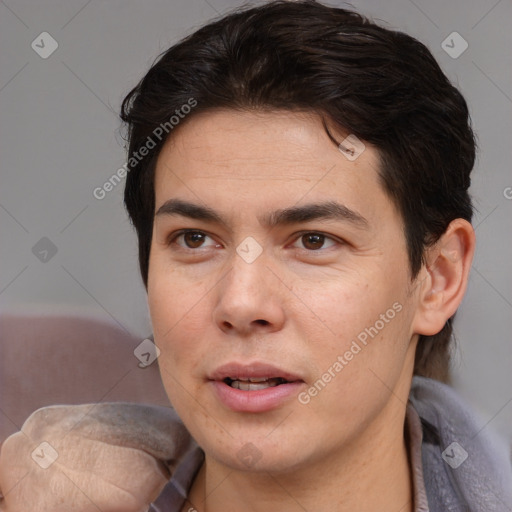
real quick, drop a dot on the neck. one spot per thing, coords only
(372, 473)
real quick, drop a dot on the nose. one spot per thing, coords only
(249, 299)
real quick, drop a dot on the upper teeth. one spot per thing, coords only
(255, 383)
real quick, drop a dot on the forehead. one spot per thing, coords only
(267, 158)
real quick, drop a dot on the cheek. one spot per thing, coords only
(345, 306)
(172, 296)
(177, 313)
(365, 322)
(176, 324)
(177, 329)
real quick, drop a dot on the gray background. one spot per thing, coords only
(60, 141)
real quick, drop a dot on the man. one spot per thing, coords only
(299, 185)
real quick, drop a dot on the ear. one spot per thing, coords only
(443, 279)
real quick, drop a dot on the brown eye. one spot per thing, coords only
(313, 241)
(193, 239)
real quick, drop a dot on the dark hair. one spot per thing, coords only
(383, 86)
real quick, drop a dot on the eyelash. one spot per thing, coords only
(172, 239)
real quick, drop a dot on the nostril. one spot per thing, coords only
(262, 322)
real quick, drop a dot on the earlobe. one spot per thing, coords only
(447, 271)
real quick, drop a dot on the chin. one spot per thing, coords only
(259, 456)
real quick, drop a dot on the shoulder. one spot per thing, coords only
(466, 466)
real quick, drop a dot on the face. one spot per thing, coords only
(279, 290)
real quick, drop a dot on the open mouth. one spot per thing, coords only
(255, 383)
(254, 387)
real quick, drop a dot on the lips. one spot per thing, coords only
(255, 387)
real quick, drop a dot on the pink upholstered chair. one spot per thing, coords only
(60, 359)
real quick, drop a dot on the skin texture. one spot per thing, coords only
(298, 306)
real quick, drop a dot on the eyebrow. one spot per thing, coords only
(330, 210)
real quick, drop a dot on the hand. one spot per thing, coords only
(113, 457)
